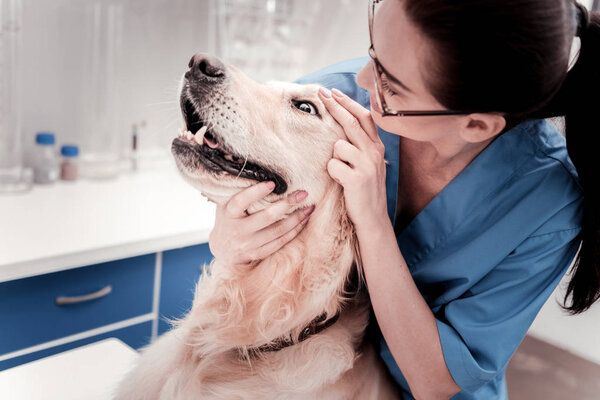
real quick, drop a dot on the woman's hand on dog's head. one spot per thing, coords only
(239, 239)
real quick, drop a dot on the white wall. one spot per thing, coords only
(158, 39)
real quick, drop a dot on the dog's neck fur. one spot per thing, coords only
(282, 293)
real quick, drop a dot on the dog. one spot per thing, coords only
(292, 325)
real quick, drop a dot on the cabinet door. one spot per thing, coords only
(181, 269)
(30, 315)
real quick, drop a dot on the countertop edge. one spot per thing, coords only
(40, 266)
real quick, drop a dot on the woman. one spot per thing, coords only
(480, 211)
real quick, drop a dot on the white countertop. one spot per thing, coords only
(71, 224)
(91, 372)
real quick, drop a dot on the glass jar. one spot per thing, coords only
(13, 177)
(69, 163)
(45, 169)
(102, 38)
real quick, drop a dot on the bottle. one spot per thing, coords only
(69, 163)
(45, 168)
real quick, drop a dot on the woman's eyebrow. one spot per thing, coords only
(394, 80)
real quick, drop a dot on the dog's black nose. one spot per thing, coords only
(205, 66)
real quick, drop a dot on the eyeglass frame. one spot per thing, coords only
(378, 70)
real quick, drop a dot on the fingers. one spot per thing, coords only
(238, 239)
(338, 171)
(346, 152)
(282, 227)
(239, 203)
(274, 212)
(274, 245)
(353, 117)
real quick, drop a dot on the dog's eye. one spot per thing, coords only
(306, 107)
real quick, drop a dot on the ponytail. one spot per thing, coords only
(576, 100)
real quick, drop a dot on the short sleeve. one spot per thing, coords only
(480, 330)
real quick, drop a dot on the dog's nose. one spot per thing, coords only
(205, 66)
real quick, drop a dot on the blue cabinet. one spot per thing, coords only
(181, 269)
(30, 315)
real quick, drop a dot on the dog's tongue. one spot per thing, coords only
(210, 143)
(202, 137)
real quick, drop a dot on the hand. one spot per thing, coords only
(239, 239)
(358, 164)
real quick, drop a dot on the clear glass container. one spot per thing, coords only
(264, 38)
(13, 177)
(45, 169)
(100, 147)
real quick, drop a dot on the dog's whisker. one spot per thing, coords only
(170, 124)
(242, 169)
(161, 103)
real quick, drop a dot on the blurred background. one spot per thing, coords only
(91, 70)
(88, 110)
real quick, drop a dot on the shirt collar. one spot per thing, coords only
(481, 178)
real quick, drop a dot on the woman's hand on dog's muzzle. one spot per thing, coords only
(239, 239)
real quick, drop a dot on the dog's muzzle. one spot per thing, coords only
(206, 74)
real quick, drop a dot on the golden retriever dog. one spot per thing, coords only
(290, 326)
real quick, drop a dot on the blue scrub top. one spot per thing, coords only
(490, 248)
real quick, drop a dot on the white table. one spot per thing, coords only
(90, 372)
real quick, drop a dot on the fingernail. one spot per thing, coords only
(337, 93)
(324, 92)
(309, 210)
(301, 195)
(271, 185)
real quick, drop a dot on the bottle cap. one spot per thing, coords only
(44, 138)
(69, 151)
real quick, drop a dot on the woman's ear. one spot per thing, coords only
(479, 127)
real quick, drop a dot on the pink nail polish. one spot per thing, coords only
(301, 195)
(309, 210)
(324, 92)
(337, 93)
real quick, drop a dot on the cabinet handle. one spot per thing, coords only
(63, 301)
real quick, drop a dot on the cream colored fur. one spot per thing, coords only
(234, 309)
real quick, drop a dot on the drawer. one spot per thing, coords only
(29, 314)
(181, 269)
(135, 336)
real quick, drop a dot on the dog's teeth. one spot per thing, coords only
(199, 137)
(202, 131)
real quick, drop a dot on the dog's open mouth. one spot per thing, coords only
(199, 143)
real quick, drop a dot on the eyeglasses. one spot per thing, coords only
(378, 71)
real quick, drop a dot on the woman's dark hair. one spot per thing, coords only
(512, 56)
